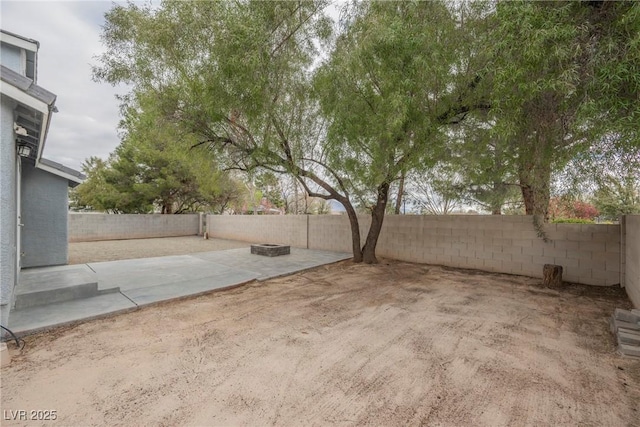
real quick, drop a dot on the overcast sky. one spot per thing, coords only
(69, 36)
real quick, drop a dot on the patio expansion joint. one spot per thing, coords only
(127, 297)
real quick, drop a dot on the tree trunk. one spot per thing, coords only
(543, 191)
(355, 230)
(527, 196)
(497, 201)
(552, 275)
(400, 195)
(535, 176)
(377, 218)
(536, 191)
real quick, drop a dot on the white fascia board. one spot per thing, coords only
(58, 172)
(18, 42)
(23, 98)
(44, 130)
(23, 61)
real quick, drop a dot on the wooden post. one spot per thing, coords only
(552, 275)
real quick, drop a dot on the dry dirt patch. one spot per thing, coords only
(113, 250)
(389, 344)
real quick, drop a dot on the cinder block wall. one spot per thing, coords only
(590, 254)
(280, 229)
(86, 227)
(333, 232)
(632, 258)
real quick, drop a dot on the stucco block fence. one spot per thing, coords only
(589, 253)
(86, 227)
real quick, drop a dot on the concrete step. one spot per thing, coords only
(627, 315)
(50, 285)
(625, 324)
(34, 319)
(629, 337)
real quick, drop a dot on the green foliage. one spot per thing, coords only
(238, 76)
(507, 92)
(270, 188)
(562, 76)
(536, 92)
(397, 78)
(486, 169)
(154, 169)
(435, 191)
(388, 91)
(95, 193)
(572, 221)
(320, 207)
(234, 75)
(618, 196)
(613, 105)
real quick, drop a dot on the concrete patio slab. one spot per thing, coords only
(34, 319)
(270, 267)
(153, 294)
(150, 272)
(140, 282)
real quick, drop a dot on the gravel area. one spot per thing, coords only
(392, 344)
(112, 250)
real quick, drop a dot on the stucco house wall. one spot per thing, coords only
(7, 208)
(11, 58)
(44, 215)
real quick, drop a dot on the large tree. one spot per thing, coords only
(240, 75)
(152, 169)
(618, 196)
(562, 76)
(398, 77)
(236, 75)
(382, 97)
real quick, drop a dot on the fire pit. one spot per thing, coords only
(268, 249)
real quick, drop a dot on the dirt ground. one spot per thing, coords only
(112, 250)
(392, 344)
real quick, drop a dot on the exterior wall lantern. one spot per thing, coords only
(24, 150)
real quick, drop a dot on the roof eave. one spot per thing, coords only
(32, 96)
(72, 176)
(19, 41)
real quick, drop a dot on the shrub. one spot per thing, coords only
(572, 221)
